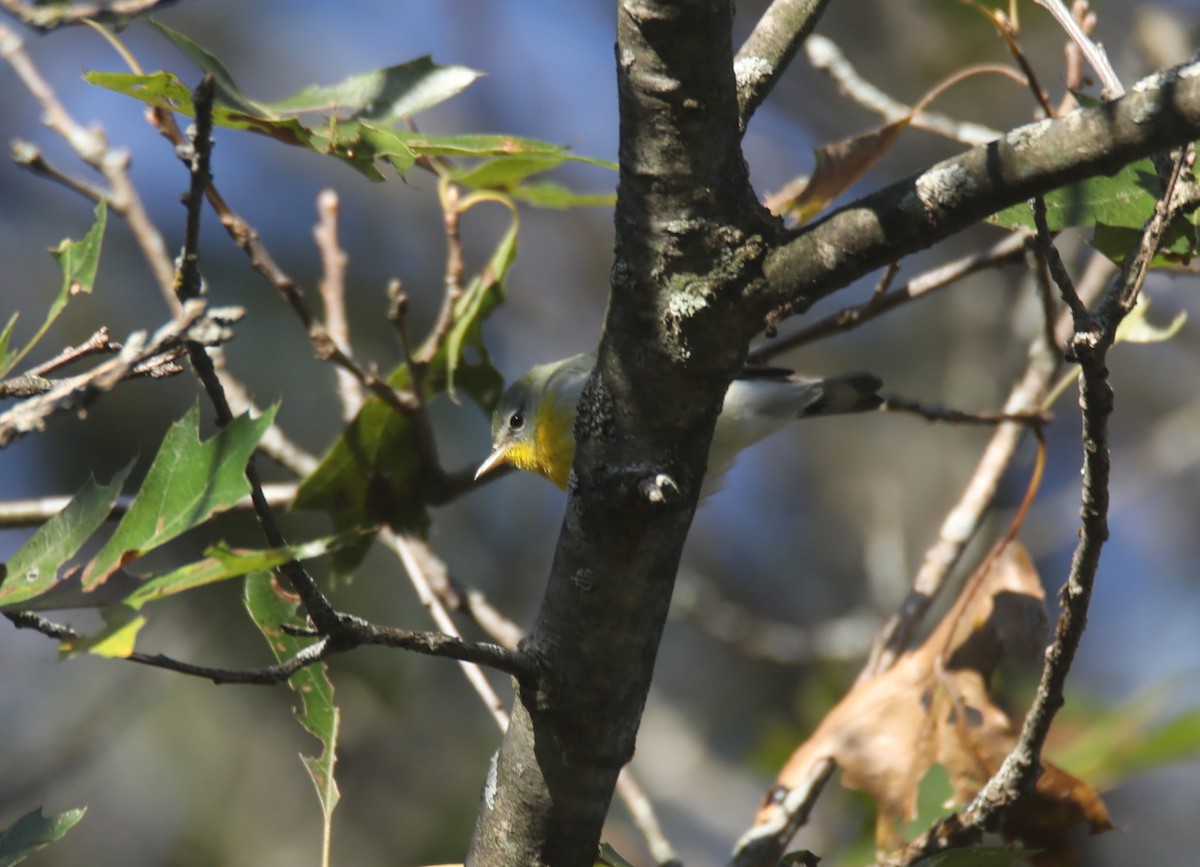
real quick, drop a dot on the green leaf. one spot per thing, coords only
(79, 261)
(1117, 743)
(123, 621)
(383, 95)
(163, 90)
(271, 607)
(226, 87)
(504, 173)
(1126, 198)
(221, 563)
(7, 360)
(1179, 244)
(34, 831)
(116, 640)
(550, 195)
(189, 481)
(371, 474)
(34, 568)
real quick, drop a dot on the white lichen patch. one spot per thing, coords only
(748, 71)
(942, 183)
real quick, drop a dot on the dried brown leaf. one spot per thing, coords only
(934, 706)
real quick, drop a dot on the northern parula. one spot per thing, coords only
(533, 425)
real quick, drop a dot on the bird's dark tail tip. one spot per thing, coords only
(851, 392)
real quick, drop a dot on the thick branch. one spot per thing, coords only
(768, 51)
(674, 337)
(1159, 113)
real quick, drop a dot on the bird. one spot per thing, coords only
(533, 424)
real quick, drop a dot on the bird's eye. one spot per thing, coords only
(516, 421)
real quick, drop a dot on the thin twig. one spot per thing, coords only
(92, 148)
(35, 511)
(1094, 336)
(1095, 55)
(29, 156)
(195, 323)
(931, 412)
(45, 18)
(332, 287)
(409, 551)
(825, 56)
(1005, 252)
(353, 633)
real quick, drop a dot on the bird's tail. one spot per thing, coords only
(851, 392)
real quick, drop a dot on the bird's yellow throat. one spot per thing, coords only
(551, 450)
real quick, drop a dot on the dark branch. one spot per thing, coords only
(1163, 111)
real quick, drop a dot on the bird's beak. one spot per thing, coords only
(495, 459)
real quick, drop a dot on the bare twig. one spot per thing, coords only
(29, 156)
(332, 287)
(931, 412)
(1094, 336)
(825, 56)
(31, 383)
(37, 510)
(762, 844)
(412, 553)
(1096, 57)
(47, 17)
(195, 323)
(352, 633)
(757, 637)
(92, 148)
(1005, 252)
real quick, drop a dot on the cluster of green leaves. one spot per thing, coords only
(370, 475)
(357, 120)
(1115, 208)
(189, 481)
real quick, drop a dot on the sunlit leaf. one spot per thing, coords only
(123, 620)
(34, 831)
(35, 567)
(116, 640)
(271, 608)
(383, 95)
(189, 481)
